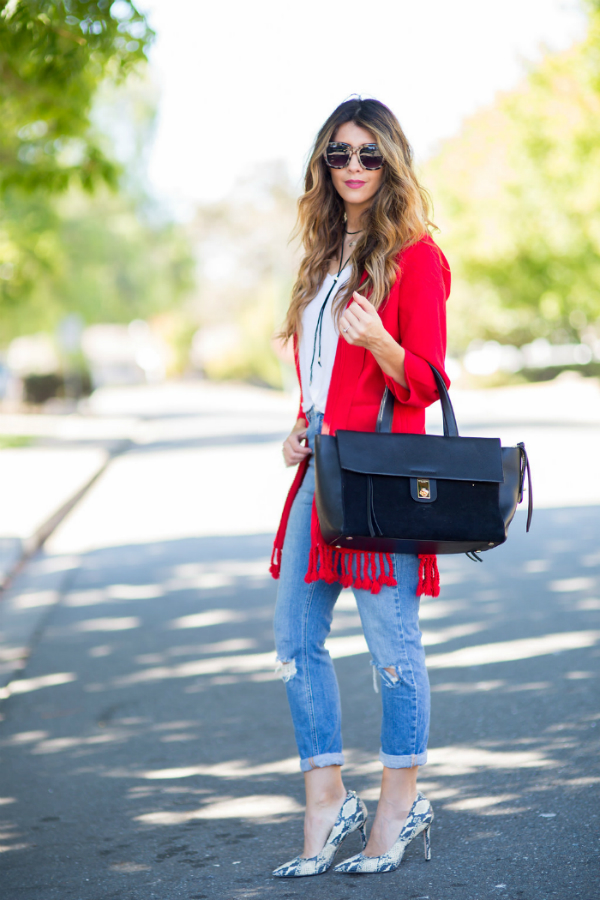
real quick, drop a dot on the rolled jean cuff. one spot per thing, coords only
(402, 762)
(324, 759)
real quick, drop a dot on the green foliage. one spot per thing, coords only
(104, 253)
(518, 199)
(53, 56)
(99, 256)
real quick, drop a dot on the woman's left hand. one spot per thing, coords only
(361, 324)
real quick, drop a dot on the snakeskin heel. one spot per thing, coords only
(419, 820)
(351, 817)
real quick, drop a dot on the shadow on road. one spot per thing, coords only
(147, 750)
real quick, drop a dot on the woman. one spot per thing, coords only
(367, 310)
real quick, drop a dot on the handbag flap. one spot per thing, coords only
(417, 455)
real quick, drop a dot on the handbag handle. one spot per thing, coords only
(386, 410)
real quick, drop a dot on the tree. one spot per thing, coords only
(110, 256)
(518, 198)
(53, 56)
(78, 233)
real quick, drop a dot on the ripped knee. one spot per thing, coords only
(393, 673)
(286, 669)
(390, 676)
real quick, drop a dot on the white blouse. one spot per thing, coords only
(315, 394)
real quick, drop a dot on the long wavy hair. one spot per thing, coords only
(398, 215)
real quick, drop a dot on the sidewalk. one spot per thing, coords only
(41, 483)
(38, 486)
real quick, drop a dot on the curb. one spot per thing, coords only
(30, 545)
(20, 627)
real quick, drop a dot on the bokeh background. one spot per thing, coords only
(151, 156)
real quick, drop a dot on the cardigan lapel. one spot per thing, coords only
(347, 366)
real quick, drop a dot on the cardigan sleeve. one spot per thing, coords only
(424, 285)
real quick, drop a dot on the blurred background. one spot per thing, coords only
(151, 156)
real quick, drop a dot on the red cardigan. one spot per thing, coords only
(414, 313)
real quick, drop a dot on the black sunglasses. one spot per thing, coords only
(338, 155)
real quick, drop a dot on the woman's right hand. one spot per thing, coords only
(293, 450)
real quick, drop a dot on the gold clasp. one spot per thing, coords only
(423, 488)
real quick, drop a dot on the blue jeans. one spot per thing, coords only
(390, 622)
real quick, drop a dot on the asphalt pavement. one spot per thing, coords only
(146, 749)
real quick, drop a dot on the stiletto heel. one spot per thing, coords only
(351, 817)
(418, 820)
(427, 842)
(363, 834)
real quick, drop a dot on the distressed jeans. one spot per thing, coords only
(390, 622)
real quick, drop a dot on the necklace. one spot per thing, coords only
(352, 243)
(319, 329)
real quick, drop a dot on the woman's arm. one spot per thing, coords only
(365, 329)
(422, 293)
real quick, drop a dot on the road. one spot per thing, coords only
(146, 749)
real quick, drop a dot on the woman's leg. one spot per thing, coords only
(398, 793)
(325, 793)
(302, 622)
(390, 622)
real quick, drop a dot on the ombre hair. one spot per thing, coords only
(398, 215)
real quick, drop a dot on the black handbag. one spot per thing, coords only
(418, 493)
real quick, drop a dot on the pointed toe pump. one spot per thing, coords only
(419, 820)
(351, 817)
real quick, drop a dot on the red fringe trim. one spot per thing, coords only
(337, 564)
(333, 564)
(275, 567)
(429, 576)
(389, 577)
